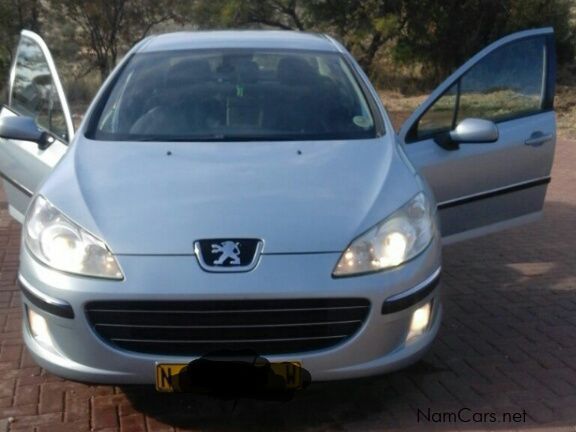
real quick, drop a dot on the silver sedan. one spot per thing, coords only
(246, 191)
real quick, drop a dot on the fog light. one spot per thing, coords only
(39, 328)
(420, 320)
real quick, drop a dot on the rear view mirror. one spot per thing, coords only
(475, 130)
(24, 129)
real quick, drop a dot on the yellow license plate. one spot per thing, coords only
(167, 375)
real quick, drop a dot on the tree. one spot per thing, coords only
(364, 26)
(442, 34)
(15, 15)
(104, 27)
(280, 14)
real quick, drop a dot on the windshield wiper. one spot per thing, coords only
(177, 138)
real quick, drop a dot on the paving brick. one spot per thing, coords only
(77, 406)
(51, 398)
(104, 413)
(133, 423)
(7, 388)
(64, 427)
(18, 411)
(32, 421)
(26, 395)
(10, 353)
(539, 412)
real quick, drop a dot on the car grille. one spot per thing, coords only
(198, 327)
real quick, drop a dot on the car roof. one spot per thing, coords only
(268, 39)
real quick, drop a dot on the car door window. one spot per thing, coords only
(506, 84)
(440, 116)
(34, 92)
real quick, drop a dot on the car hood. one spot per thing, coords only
(158, 198)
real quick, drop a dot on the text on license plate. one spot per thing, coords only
(167, 375)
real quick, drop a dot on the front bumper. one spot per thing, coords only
(379, 346)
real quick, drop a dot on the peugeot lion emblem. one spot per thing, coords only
(227, 250)
(228, 255)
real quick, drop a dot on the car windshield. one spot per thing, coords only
(234, 95)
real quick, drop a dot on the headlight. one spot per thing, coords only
(392, 242)
(61, 244)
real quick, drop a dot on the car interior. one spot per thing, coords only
(234, 95)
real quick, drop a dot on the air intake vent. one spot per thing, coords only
(190, 328)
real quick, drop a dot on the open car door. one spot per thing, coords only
(35, 92)
(484, 140)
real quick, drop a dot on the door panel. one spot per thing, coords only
(35, 90)
(23, 166)
(483, 187)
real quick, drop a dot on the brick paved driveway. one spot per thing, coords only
(507, 345)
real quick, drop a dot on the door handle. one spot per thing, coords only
(537, 139)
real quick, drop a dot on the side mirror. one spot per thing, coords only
(24, 129)
(475, 130)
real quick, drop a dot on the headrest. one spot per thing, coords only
(296, 71)
(186, 72)
(248, 71)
